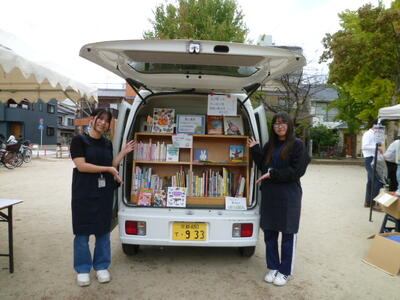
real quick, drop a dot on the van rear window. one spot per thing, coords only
(161, 68)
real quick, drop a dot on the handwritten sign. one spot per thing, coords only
(221, 105)
(235, 203)
(379, 134)
(182, 140)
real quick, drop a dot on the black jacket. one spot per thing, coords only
(282, 193)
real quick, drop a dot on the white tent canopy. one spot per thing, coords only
(390, 113)
(21, 78)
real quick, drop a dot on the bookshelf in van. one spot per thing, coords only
(218, 147)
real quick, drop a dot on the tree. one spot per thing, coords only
(295, 91)
(323, 138)
(364, 58)
(219, 20)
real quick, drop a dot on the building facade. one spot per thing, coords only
(23, 119)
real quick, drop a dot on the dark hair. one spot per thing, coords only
(99, 112)
(274, 139)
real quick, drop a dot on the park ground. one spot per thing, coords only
(331, 244)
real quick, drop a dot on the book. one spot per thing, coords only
(160, 198)
(176, 197)
(172, 153)
(200, 155)
(145, 196)
(192, 124)
(236, 152)
(163, 120)
(215, 125)
(233, 125)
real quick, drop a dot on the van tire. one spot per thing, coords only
(129, 249)
(247, 251)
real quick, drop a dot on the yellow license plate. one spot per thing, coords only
(189, 231)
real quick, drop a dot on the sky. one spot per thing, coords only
(52, 32)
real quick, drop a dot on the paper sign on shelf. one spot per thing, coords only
(221, 105)
(182, 140)
(235, 203)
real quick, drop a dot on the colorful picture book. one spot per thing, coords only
(200, 155)
(172, 153)
(236, 152)
(145, 197)
(163, 120)
(194, 124)
(233, 125)
(176, 197)
(215, 125)
(160, 198)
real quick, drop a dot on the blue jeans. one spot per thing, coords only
(288, 244)
(377, 186)
(83, 262)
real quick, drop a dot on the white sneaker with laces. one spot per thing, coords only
(280, 279)
(270, 276)
(103, 276)
(83, 279)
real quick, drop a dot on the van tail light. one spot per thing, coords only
(242, 230)
(135, 228)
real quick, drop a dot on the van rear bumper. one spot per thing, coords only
(159, 226)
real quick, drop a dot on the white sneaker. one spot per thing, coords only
(83, 279)
(280, 279)
(270, 276)
(103, 276)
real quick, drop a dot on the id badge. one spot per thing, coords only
(102, 181)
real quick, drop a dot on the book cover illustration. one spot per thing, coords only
(236, 152)
(163, 120)
(233, 125)
(192, 124)
(160, 198)
(215, 125)
(200, 155)
(172, 153)
(145, 197)
(176, 197)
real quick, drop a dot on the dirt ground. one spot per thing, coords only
(331, 243)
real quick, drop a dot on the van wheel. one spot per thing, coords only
(129, 249)
(247, 251)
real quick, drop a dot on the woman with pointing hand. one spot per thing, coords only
(282, 161)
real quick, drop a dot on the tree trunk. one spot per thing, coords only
(353, 145)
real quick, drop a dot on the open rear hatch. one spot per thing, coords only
(205, 66)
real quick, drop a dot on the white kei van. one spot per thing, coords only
(180, 75)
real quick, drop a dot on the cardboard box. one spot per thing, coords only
(384, 253)
(390, 204)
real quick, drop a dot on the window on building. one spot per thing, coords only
(70, 122)
(322, 112)
(33, 106)
(12, 104)
(24, 104)
(51, 109)
(50, 131)
(40, 106)
(60, 120)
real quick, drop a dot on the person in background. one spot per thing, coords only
(93, 184)
(368, 150)
(390, 158)
(283, 160)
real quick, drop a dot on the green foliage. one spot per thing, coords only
(219, 20)
(323, 137)
(365, 62)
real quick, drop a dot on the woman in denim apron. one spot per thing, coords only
(93, 184)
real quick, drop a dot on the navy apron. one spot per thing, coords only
(91, 204)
